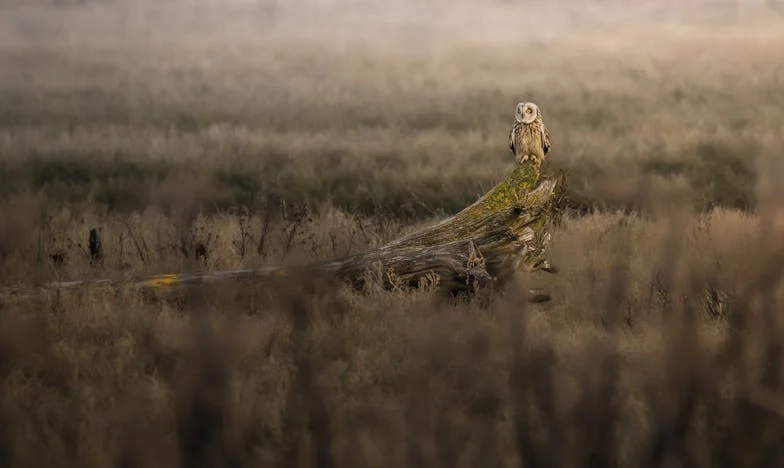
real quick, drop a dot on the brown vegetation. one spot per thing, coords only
(661, 346)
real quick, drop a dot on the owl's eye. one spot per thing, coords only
(528, 110)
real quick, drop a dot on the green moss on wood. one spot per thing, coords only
(516, 199)
(508, 192)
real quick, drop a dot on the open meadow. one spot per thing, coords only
(207, 136)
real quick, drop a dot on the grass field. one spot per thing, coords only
(218, 137)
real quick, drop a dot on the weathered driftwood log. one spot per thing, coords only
(482, 245)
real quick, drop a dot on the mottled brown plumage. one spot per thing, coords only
(529, 139)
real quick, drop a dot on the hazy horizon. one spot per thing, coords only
(41, 23)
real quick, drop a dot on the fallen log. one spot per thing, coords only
(482, 246)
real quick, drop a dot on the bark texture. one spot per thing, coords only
(482, 245)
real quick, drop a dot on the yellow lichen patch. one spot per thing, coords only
(161, 280)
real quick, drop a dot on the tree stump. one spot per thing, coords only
(482, 245)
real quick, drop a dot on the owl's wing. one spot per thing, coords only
(512, 141)
(545, 139)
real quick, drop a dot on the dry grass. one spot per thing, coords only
(193, 147)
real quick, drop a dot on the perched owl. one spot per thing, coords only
(529, 139)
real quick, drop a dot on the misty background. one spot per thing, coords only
(26, 22)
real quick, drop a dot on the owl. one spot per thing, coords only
(529, 139)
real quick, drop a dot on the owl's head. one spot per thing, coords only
(526, 112)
